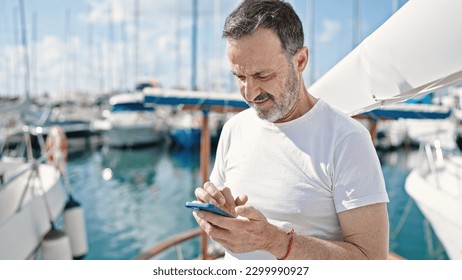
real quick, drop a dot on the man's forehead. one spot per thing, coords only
(259, 40)
(254, 59)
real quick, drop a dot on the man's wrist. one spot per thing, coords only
(289, 247)
(278, 242)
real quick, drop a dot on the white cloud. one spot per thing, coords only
(330, 29)
(51, 49)
(59, 64)
(105, 11)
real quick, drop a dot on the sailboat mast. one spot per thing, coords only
(137, 15)
(110, 55)
(67, 78)
(34, 53)
(91, 84)
(6, 63)
(26, 53)
(194, 46)
(357, 24)
(178, 45)
(123, 55)
(217, 46)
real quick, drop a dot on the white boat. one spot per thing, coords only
(129, 123)
(436, 187)
(24, 216)
(33, 194)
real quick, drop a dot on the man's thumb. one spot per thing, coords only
(241, 200)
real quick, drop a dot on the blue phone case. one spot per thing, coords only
(207, 207)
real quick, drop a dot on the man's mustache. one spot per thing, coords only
(263, 96)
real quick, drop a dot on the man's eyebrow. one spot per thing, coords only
(262, 73)
(259, 73)
(234, 73)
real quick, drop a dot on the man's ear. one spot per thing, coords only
(301, 59)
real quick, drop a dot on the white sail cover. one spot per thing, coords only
(416, 51)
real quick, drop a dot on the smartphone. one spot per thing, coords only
(207, 207)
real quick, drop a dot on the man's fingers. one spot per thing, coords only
(209, 194)
(206, 226)
(230, 204)
(210, 223)
(241, 200)
(203, 196)
(216, 197)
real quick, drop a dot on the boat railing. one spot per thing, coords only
(25, 147)
(25, 154)
(176, 242)
(433, 159)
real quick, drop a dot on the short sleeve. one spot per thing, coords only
(357, 175)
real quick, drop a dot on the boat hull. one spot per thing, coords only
(132, 136)
(22, 228)
(440, 200)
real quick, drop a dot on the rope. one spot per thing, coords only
(403, 218)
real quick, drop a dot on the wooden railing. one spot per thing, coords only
(176, 241)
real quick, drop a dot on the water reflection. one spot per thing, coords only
(135, 166)
(133, 199)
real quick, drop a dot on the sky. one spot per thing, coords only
(98, 46)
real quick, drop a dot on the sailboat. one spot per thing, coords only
(33, 194)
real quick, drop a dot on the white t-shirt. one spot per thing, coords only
(300, 173)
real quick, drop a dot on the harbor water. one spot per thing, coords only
(134, 198)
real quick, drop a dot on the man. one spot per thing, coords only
(302, 179)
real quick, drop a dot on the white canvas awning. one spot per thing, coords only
(416, 51)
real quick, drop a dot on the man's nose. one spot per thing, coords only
(251, 89)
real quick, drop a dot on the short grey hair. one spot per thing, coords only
(276, 15)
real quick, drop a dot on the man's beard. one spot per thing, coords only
(284, 104)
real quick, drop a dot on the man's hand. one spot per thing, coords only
(249, 231)
(222, 197)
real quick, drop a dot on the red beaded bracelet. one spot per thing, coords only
(291, 241)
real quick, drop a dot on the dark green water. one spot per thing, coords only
(134, 199)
